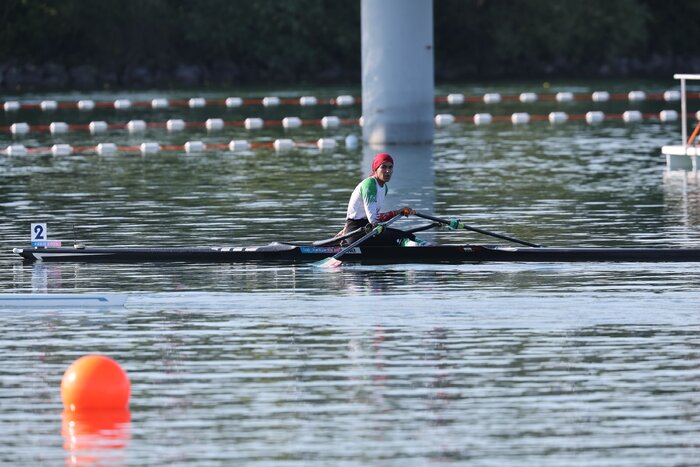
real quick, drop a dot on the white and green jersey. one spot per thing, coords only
(366, 200)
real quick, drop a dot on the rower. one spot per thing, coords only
(364, 208)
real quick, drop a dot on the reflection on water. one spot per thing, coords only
(352, 280)
(97, 438)
(682, 194)
(489, 364)
(379, 379)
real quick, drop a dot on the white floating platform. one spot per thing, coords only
(61, 300)
(679, 157)
(683, 158)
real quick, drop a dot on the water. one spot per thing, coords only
(492, 364)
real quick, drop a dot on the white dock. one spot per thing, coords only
(682, 159)
(61, 300)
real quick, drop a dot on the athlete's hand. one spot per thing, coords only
(406, 211)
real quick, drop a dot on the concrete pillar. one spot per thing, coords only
(398, 84)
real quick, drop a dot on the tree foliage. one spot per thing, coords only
(291, 40)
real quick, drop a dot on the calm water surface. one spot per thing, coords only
(517, 364)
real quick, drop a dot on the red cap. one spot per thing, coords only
(379, 159)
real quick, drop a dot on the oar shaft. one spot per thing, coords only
(475, 229)
(337, 239)
(371, 234)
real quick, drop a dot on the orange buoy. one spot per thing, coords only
(95, 382)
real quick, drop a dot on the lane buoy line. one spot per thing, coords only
(329, 122)
(280, 145)
(190, 147)
(212, 124)
(629, 116)
(342, 100)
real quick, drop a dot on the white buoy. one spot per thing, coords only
(526, 97)
(283, 145)
(492, 98)
(631, 116)
(291, 122)
(20, 128)
(238, 145)
(150, 148)
(557, 117)
(61, 149)
(194, 146)
(483, 119)
(86, 104)
(636, 96)
(160, 104)
(455, 99)
(520, 118)
(16, 150)
(351, 141)
(344, 100)
(97, 127)
(175, 124)
(122, 104)
(330, 122)
(564, 96)
(668, 115)
(595, 116)
(444, 120)
(271, 101)
(197, 102)
(232, 102)
(308, 100)
(253, 123)
(48, 105)
(136, 126)
(697, 115)
(58, 127)
(326, 144)
(11, 106)
(104, 149)
(672, 95)
(214, 124)
(600, 96)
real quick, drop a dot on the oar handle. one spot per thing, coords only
(455, 224)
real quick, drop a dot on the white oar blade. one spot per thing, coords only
(327, 263)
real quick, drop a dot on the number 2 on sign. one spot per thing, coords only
(39, 232)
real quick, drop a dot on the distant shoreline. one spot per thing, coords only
(23, 77)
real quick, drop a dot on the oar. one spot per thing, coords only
(457, 224)
(337, 239)
(334, 261)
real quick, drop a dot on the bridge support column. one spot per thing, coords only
(398, 84)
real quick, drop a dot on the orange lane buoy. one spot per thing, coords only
(95, 382)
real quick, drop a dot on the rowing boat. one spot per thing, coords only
(293, 253)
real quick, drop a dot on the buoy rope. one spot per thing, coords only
(213, 125)
(280, 145)
(271, 101)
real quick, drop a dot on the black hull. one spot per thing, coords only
(284, 253)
